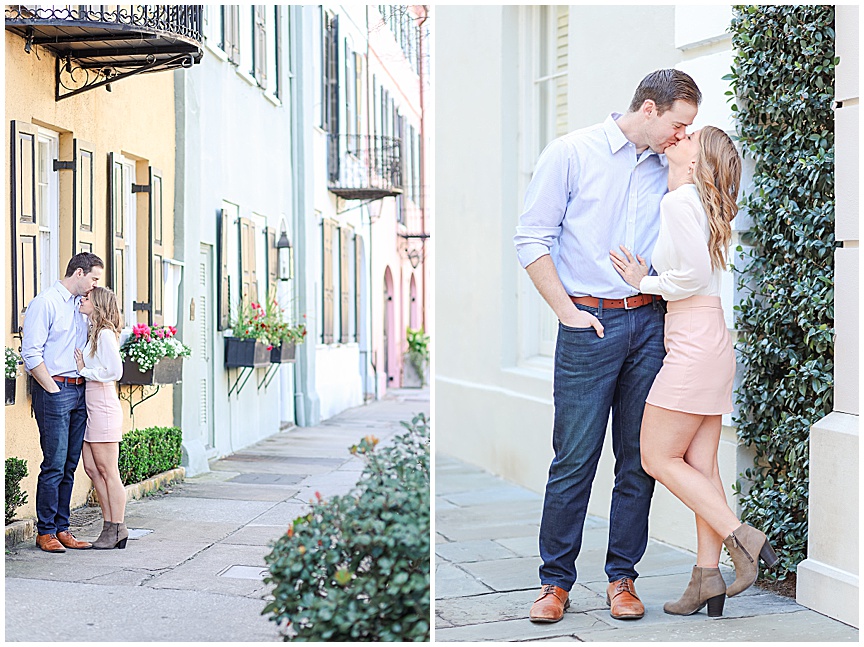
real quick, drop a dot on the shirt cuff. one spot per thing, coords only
(530, 252)
(650, 285)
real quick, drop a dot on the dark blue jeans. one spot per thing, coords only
(61, 417)
(594, 376)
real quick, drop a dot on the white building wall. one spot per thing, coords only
(493, 391)
(223, 116)
(828, 578)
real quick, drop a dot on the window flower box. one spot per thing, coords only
(13, 359)
(246, 352)
(10, 391)
(168, 370)
(284, 353)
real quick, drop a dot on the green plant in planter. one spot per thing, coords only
(16, 470)
(13, 359)
(356, 568)
(418, 351)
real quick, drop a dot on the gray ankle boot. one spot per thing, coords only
(106, 539)
(706, 587)
(746, 545)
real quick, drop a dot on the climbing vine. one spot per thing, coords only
(783, 80)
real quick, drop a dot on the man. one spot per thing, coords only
(593, 190)
(53, 329)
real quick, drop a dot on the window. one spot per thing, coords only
(273, 49)
(214, 26)
(550, 79)
(83, 196)
(330, 75)
(47, 207)
(245, 60)
(328, 232)
(122, 216)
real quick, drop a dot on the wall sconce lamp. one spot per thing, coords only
(285, 255)
(414, 258)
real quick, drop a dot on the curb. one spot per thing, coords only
(25, 529)
(20, 531)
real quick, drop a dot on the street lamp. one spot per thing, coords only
(285, 255)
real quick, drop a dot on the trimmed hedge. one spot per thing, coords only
(147, 452)
(356, 568)
(783, 80)
(16, 470)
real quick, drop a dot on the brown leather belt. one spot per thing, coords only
(636, 301)
(67, 380)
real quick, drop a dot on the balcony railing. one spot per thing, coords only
(97, 45)
(364, 167)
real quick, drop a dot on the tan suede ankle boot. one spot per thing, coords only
(706, 587)
(106, 538)
(746, 545)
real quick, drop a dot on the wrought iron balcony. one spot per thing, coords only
(364, 167)
(96, 45)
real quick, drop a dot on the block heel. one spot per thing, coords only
(715, 605)
(768, 555)
(121, 544)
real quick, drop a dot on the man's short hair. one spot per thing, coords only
(86, 261)
(664, 88)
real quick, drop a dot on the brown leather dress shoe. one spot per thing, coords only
(550, 606)
(622, 599)
(49, 543)
(67, 539)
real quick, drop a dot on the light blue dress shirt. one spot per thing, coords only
(588, 195)
(53, 329)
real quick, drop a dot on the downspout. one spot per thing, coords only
(422, 160)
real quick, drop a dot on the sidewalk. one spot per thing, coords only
(486, 578)
(194, 569)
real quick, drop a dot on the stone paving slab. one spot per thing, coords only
(236, 491)
(453, 582)
(510, 630)
(472, 551)
(800, 626)
(281, 514)
(255, 535)
(184, 509)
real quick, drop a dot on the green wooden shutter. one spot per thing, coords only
(25, 226)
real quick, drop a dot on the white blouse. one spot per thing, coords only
(105, 365)
(681, 256)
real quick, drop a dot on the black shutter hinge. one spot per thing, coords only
(140, 188)
(140, 305)
(64, 166)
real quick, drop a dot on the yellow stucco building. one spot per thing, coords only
(91, 170)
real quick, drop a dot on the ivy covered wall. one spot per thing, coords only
(783, 79)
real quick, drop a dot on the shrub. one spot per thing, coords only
(356, 568)
(145, 452)
(418, 351)
(783, 80)
(16, 469)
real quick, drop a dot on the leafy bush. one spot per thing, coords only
(146, 452)
(16, 469)
(783, 79)
(356, 568)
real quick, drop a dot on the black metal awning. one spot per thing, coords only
(96, 45)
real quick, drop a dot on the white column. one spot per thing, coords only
(828, 578)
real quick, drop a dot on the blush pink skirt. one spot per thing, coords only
(699, 367)
(104, 417)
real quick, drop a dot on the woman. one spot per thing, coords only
(100, 363)
(683, 411)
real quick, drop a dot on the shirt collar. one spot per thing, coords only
(64, 293)
(617, 139)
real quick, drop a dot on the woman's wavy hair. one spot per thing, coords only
(105, 315)
(717, 176)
